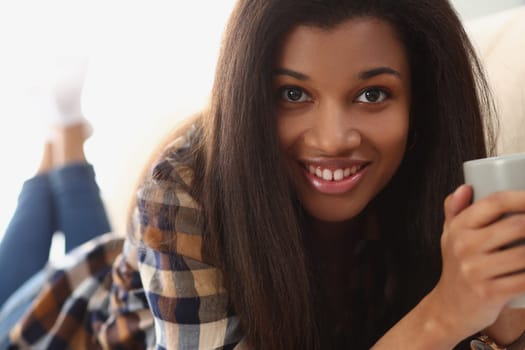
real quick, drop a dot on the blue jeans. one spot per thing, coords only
(67, 200)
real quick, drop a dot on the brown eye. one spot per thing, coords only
(294, 94)
(373, 95)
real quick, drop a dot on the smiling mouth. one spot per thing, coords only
(333, 178)
(334, 174)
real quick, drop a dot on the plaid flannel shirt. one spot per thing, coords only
(150, 290)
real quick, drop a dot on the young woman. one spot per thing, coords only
(304, 208)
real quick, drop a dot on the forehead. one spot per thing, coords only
(355, 44)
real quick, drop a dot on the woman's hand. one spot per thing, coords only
(478, 276)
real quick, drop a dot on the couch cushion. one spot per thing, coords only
(501, 46)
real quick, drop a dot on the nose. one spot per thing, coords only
(332, 132)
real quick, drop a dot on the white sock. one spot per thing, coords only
(69, 77)
(52, 98)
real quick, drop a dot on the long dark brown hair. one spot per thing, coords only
(253, 222)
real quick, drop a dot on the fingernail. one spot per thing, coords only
(457, 190)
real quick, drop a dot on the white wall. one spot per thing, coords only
(470, 9)
(152, 64)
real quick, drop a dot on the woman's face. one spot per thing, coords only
(343, 113)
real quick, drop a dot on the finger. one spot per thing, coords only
(457, 201)
(491, 208)
(509, 287)
(504, 232)
(501, 264)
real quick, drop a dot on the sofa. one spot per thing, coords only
(500, 42)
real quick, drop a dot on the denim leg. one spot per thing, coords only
(24, 250)
(80, 211)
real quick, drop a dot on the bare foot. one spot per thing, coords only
(68, 144)
(46, 163)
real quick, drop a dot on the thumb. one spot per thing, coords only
(458, 201)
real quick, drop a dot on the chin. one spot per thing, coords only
(334, 213)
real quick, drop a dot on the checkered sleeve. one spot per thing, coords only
(185, 294)
(72, 309)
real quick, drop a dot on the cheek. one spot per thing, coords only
(393, 143)
(389, 137)
(289, 131)
(394, 139)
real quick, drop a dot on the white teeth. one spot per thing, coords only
(333, 175)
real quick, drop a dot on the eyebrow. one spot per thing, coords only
(363, 75)
(292, 73)
(378, 71)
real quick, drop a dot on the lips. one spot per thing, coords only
(339, 174)
(334, 177)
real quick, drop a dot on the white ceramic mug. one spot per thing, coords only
(496, 174)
